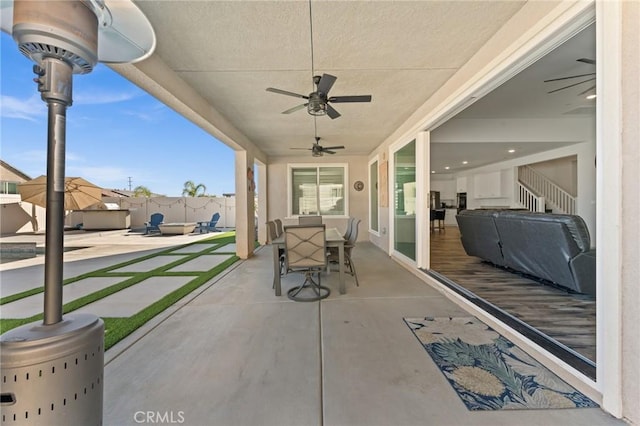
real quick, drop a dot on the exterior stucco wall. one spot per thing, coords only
(630, 211)
(358, 200)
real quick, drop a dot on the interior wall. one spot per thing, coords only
(358, 200)
(562, 171)
(586, 199)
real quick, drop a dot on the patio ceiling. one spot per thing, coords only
(229, 52)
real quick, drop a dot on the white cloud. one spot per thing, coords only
(70, 156)
(154, 112)
(106, 176)
(97, 97)
(31, 109)
(35, 156)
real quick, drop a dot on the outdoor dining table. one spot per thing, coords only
(333, 238)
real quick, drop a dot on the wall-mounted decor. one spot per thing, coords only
(383, 179)
(251, 183)
(358, 185)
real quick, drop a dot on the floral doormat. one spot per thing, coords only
(488, 371)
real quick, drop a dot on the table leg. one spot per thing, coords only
(341, 262)
(276, 269)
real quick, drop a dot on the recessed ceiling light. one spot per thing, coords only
(592, 96)
(447, 168)
(511, 151)
(465, 162)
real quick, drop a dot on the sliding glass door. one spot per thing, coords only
(404, 201)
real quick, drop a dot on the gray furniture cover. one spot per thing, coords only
(553, 247)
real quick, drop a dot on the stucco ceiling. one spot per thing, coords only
(400, 52)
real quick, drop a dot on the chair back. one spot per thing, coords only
(309, 220)
(271, 231)
(156, 219)
(279, 228)
(347, 232)
(215, 218)
(305, 246)
(353, 236)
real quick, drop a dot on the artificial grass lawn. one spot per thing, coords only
(118, 328)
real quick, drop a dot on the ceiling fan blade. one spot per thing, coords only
(295, 108)
(587, 61)
(284, 92)
(339, 99)
(587, 91)
(572, 85)
(570, 77)
(326, 83)
(328, 152)
(332, 113)
(306, 149)
(333, 147)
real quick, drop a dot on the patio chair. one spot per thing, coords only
(347, 232)
(209, 226)
(349, 245)
(153, 225)
(271, 231)
(279, 229)
(305, 252)
(309, 220)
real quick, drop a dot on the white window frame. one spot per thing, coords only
(291, 166)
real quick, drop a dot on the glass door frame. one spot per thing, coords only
(422, 200)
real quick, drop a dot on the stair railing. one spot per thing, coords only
(541, 186)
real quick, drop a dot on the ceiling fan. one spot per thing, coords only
(318, 101)
(583, 60)
(319, 151)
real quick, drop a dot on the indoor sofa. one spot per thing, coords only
(552, 247)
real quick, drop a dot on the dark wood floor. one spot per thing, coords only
(568, 318)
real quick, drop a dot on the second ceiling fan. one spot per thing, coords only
(318, 101)
(318, 151)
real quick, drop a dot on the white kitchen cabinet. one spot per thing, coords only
(461, 184)
(487, 185)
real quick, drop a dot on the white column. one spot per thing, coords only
(261, 173)
(245, 207)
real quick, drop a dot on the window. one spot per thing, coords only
(7, 187)
(318, 190)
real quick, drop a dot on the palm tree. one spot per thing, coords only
(141, 191)
(191, 189)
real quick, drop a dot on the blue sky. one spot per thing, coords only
(115, 130)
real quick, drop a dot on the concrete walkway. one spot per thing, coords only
(234, 354)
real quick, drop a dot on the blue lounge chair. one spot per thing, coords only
(152, 225)
(209, 226)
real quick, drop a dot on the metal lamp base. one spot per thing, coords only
(53, 374)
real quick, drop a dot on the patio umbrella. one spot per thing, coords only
(78, 193)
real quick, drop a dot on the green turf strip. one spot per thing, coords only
(118, 328)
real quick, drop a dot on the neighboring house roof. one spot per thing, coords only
(116, 193)
(10, 173)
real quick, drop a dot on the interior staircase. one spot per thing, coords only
(539, 194)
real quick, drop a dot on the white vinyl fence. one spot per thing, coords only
(178, 209)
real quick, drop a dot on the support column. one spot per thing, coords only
(263, 214)
(245, 205)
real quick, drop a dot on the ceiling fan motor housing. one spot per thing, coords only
(65, 30)
(317, 104)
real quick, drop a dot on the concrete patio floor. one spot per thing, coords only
(234, 354)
